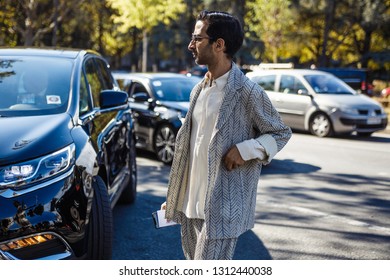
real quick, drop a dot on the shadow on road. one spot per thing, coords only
(136, 238)
(288, 166)
(250, 247)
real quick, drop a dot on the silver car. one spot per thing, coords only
(319, 102)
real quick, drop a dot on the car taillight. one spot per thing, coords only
(363, 86)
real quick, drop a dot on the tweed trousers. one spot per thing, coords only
(196, 245)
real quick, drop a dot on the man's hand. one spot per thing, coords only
(233, 159)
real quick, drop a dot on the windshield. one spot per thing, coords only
(328, 84)
(174, 89)
(34, 85)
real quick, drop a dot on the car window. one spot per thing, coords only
(84, 104)
(174, 89)
(136, 87)
(34, 85)
(328, 84)
(266, 82)
(290, 84)
(93, 80)
(106, 79)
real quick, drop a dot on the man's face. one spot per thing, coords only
(35, 82)
(200, 46)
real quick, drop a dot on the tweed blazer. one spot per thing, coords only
(245, 113)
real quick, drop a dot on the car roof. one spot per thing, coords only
(151, 75)
(287, 71)
(46, 52)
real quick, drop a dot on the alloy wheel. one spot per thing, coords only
(320, 125)
(165, 144)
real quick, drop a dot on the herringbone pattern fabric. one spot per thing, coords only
(246, 112)
(196, 245)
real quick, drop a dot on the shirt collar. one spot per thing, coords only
(220, 82)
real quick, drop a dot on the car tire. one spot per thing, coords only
(100, 227)
(164, 143)
(320, 125)
(130, 192)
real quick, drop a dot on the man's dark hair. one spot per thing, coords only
(225, 26)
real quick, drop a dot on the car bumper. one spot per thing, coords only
(40, 222)
(345, 123)
(365, 125)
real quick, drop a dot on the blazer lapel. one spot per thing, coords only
(231, 95)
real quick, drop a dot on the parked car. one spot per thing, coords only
(67, 154)
(160, 102)
(358, 79)
(319, 102)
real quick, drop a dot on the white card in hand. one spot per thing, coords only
(160, 221)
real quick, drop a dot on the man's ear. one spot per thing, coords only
(220, 44)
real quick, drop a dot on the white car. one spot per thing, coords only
(319, 102)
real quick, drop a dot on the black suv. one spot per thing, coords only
(67, 154)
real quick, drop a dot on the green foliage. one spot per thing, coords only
(323, 32)
(272, 23)
(145, 14)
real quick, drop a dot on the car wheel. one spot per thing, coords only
(164, 143)
(320, 125)
(100, 224)
(129, 193)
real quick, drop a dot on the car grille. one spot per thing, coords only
(366, 112)
(34, 247)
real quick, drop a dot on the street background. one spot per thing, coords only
(319, 199)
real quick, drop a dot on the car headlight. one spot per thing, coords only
(17, 175)
(351, 111)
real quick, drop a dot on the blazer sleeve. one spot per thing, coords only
(273, 134)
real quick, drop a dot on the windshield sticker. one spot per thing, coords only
(157, 83)
(160, 93)
(53, 99)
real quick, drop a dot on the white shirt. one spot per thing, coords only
(203, 122)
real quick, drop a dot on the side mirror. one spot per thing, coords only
(303, 92)
(112, 98)
(140, 97)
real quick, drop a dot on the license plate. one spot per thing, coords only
(373, 121)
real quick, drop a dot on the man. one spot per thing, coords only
(230, 130)
(35, 85)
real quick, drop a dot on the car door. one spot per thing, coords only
(292, 101)
(267, 82)
(109, 131)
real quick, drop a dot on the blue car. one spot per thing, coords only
(67, 154)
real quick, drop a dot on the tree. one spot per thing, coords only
(144, 15)
(40, 17)
(8, 16)
(270, 20)
(367, 17)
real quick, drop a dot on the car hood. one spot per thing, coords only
(180, 106)
(24, 138)
(353, 101)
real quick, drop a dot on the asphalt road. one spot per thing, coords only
(319, 199)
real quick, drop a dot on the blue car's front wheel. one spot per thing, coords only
(100, 227)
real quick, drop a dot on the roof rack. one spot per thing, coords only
(263, 66)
